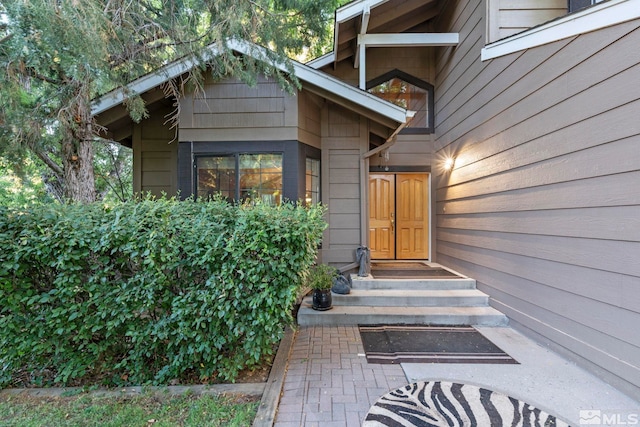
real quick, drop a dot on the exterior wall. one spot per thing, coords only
(507, 17)
(155, 156)
(239, 112)
(542, 206)
(230, 116)
(310, 116)
(410, 150)
(380, 60)
(345, 139)
(294, 156)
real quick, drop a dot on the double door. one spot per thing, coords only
(399, 216)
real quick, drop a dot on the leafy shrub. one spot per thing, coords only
(148, 291)
(321, 277)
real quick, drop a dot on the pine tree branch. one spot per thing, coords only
(36, 75)
(47, 160)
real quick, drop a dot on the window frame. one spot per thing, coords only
(600, 15)
(415, 81)
(236, 156)
(318, 193)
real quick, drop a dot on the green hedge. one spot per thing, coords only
(150, 291)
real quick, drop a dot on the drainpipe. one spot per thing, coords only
(392, 139)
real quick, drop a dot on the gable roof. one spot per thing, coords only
(375, 16)
(313, 80)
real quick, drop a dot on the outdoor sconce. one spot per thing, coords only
(449, 163)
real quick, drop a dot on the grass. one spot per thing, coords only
(146, 410)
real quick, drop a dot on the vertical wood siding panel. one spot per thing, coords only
(155, 156)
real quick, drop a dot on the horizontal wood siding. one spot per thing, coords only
(542, 206)
(155, 156)
(409, 150)
(380, 60)
(309, 129)
(508, 17)
(230, 110)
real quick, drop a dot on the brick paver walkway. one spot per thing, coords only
(329, 382)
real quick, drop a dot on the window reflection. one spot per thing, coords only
(312, 182)
(407, 96)
(241, 177)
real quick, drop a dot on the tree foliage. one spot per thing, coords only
(58, 55)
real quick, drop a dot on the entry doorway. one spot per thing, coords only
(399, 216)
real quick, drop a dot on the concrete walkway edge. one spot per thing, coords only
(266, 414)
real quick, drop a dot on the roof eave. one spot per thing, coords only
(303, 72)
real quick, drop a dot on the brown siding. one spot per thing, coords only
(342, 147)
(507, 17)
(380, 60)
(409, 150)
(309, 129)
(155, 156)
(230, 110)
(542, 207)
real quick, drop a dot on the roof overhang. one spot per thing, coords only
(381, 17)
(313, 80)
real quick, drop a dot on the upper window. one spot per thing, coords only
(514, 26)
(505, 18)
(240, 177)
(581, 4)
(409, 93)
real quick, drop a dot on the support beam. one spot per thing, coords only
(409, 39)
(398, 40)
(364, 25)
(362, 48)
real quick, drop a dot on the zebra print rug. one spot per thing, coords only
(440, 403)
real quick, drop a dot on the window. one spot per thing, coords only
(407, 92)
(312, 182)
(505, 18)
(581, 4)
(216, 175)
(524, 33)
(240, 177)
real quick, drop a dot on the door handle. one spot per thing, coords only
(393, 223)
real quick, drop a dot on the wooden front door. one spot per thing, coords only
(399, 216)
(382, 205)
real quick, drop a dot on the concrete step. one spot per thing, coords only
(371, 315)
(412, 284)
(413, 298)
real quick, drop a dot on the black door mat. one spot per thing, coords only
(389, 344)
(412, 270)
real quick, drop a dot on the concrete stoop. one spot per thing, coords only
(400, 301)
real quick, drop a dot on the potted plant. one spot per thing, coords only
(321, 281)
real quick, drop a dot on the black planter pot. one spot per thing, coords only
(321, 299)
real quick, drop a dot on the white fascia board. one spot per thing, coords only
(593, 18)
(148, 82)
(322, 61)
(353, 94)
(409, 39)
(303, 72)
(353, 9)
(350, 11)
